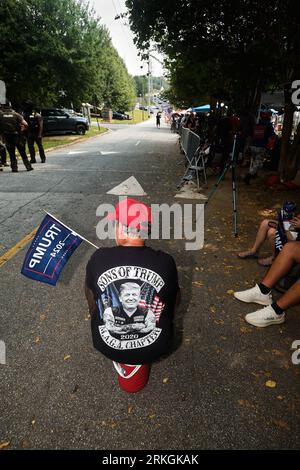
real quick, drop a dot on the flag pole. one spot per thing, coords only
(85, 239)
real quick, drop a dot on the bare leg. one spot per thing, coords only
(291, 297)
(271, 239)
(261, 236)
(289, 255)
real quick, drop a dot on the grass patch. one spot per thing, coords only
(56, 140)
(93, 130)
(137, 116)
(52, 141)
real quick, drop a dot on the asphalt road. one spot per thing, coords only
(57, 392)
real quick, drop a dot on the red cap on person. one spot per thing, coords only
(132, 213)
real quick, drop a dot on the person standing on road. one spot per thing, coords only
(34, 133)
(158, 118)
(12, 128)
(132, 291)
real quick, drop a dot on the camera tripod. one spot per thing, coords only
(230, 163)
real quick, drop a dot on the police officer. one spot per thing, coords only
(34, 132)
(12, 126)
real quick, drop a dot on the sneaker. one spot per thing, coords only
(254, 295)
(265, 317)
(33, 160)
(29, 168)
(14, 170)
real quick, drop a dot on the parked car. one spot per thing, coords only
(58, 121)
(120, 116)
(71, 112)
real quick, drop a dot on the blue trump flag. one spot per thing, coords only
(50, 250)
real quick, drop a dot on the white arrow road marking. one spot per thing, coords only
(108, 153)
(2, 352)
(129, 187)
(190, 191)
(138, 142)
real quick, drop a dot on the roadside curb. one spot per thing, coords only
(51, 149)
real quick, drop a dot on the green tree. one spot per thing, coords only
(46, 49)
(120, 89)
(141, 84)
(57, 52)
(225, 50)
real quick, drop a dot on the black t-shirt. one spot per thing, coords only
(135, 290)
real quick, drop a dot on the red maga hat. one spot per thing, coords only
(132, 213)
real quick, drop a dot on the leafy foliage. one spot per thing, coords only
(224, 50)
(141, 84)
(233, 50)
(57, 52)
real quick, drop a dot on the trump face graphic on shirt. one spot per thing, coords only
(130, 294)
(129, 317)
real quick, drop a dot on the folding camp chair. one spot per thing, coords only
(196, 154)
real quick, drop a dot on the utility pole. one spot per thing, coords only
(149, 76)
(149, 84)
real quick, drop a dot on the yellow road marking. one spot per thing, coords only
(19, 246)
